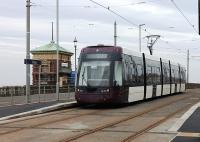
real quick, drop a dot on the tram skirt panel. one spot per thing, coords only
(149, 93)
(166, 89)
(178, 87)
(183, 87)
(158, 90)
(173, 88)
(136, 93)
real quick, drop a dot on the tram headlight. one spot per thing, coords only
(79, 90)
(105, 90)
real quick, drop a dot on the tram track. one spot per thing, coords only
(75, 137)
(18, 129)
(52, 113)
(153, 125)
(72, 108)
(47, 122)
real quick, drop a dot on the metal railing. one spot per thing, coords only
(12, 95)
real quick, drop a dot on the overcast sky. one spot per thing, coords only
(93, 25)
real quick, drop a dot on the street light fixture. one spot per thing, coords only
(140, 27)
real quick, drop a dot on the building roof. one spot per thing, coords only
(51, 47)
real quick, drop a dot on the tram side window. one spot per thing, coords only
(168, 76)
(177, 76)
(140, 77)
(118, 74)
(173, 76)
(183, 77)
(130, 72)
(149, 75)
(165, 77)
(134, 74)
(166, 73)
(158, 81)
(125, 72)
(153, 75)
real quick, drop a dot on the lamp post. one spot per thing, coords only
(75, 48)
(188, 64)
(140, 26)
(199, 15)
(57, 50)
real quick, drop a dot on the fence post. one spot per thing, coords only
(39, 83)
(68, 92)
(12, 91)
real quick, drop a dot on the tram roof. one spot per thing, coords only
(135, 53)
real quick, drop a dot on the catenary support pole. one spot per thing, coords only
(28, 6)
(39, 83)
(188, 64)
(52, 39)
(199, 15)
(115, 33)
(140, 38)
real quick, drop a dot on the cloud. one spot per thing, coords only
(93, 25)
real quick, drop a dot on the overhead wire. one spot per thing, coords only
(130, 22)
(129, 4)
(112, 11)
(185, 17)
(136, 25)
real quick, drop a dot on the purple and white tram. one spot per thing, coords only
(108, 74)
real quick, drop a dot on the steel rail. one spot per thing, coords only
(71, 108)
(153, 125)
(48, 122)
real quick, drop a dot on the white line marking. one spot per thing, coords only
(180, 121)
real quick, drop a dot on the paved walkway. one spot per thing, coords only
(190, 130)
(16, 109)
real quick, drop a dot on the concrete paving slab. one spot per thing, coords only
(85, 123)
(37, 121)
(105, 137)
(4, 130)
(39, 135)
(164, 127)
(134, 125)
(155, 137)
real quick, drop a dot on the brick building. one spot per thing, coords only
(47, 54)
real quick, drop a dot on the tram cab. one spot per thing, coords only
(99, 78)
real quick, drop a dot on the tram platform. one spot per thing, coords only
(16, 111)
(190, 129)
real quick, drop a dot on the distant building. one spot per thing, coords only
(47, 54)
